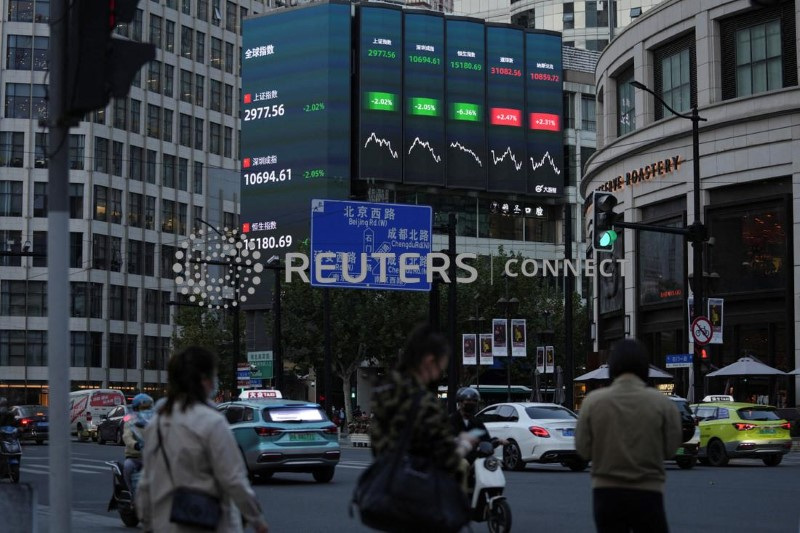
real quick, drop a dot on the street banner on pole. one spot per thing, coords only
(540, 359)
(715, 313)
(690, 303)
(243, 375)
(487, 359)
(549, 362)
(499, 337)
(518, 338)
(468, 349)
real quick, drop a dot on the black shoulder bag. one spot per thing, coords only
(401, 492)
(190, 507)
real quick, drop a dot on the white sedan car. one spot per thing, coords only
(536, 433)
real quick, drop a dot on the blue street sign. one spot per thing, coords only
(256, 382)
(680, 360)
(375, 245)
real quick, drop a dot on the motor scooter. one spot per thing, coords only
(488, 504)
(10, 453)
(122, 496)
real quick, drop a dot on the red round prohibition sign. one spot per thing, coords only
(702, 330)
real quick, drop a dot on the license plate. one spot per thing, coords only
(679, 452)
(570, 432)
(301, 436)
(767, 431)
(42, 424)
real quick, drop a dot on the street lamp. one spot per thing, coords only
(697, 230)
(508, 307)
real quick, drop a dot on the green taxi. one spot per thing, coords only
(277, 435)
(731, 430)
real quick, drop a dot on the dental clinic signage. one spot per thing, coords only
(659, 168)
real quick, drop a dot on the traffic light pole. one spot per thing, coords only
(60, 482)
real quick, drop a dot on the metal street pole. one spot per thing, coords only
(569, 288)
(508, 351)
(695, 233)
(60, 479)
(276, 334)
(452, 378)
(326, 326)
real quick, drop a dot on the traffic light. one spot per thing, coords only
(603, 223)
(100, 66)
(703, 354)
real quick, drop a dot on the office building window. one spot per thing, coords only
(183, 174)
(155, 30)
(202, 9)
(100, 154)
(197, 214)
(197, 180)
(167, 131)
(40, 249)
(167, 260)
(151, 165)
(28, 10)
(199, 90)
(169, 80)
(167, 216)
(115, 257)
(185, 130)
(227, 146)
(86, 349)
(115, 206)
(76, 151)
(187, 42)
(150, 306)
(16, 301)
(759, 51)
(10, 198)
(186, 7)
(626, 107)
(135, 210)
(149, 212)
(168, 171)
(164, 301)
(569, 110)
(169, 36)
(18, 100)
(153, 121)
(182, 216)
(230, 16)
(120, 113)
(149, 259)
(186, 86)
(137, 28)
(10, 241)
(75, 250)
(116, 158)
(229, 62)
(228, 99)
(100, 251)
(154, 76)
(215, 98)
(136, 116)
(135, 257)
(116, 302)
(136, 163)
(214, 138)
(198, 133)
(200, 47)
(86, 300)
(18, 52)
(40, 150)
(12, 148)
(597, 13)
(589, 118)
(229, 220)
(100, 203)
(40, 199)
(76, 200)
(216, 53)
(569, 15)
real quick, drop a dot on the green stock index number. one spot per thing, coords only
(388, 54)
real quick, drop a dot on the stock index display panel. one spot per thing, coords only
(466, 104)
(544, 108)
(505, 88)
(423, 86)
(380, 143)
(296, 109)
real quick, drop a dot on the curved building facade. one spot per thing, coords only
(738, 62)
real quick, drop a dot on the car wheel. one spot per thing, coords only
(324, 475)
(512, 457)
(119, 440)
(716, 453)
(576, 465)
(686, 462)
(773, 460)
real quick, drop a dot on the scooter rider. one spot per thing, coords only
(142, 405)
(464, 419)
(6, 418)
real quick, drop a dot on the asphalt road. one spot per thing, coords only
(745, 496)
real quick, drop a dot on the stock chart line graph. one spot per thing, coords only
(380, 142)
(546, 158)
(427, 145)
(508, 153)
(459, 146)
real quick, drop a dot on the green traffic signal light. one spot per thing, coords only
(608, 238)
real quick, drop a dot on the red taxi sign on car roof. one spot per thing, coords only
(260, 394)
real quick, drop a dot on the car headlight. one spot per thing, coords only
(491, 463)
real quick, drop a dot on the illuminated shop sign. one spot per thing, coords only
(643, 174)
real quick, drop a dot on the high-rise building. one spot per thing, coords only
(142, 171)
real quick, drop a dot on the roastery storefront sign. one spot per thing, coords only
(661, 167)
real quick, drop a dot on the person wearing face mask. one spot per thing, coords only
(464, 419)
(421, 366)
(188, 446)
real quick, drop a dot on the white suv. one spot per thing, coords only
(536, 432)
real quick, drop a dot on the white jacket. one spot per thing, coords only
(203, 455)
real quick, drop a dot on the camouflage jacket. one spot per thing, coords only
(432, 433)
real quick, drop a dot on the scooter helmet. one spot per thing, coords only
(142, 401)
(468, 394)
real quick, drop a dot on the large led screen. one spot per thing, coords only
(296, 109)
(544, 110)
(505, 87)
(466, 104)
(423, 128)
(380, 142)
